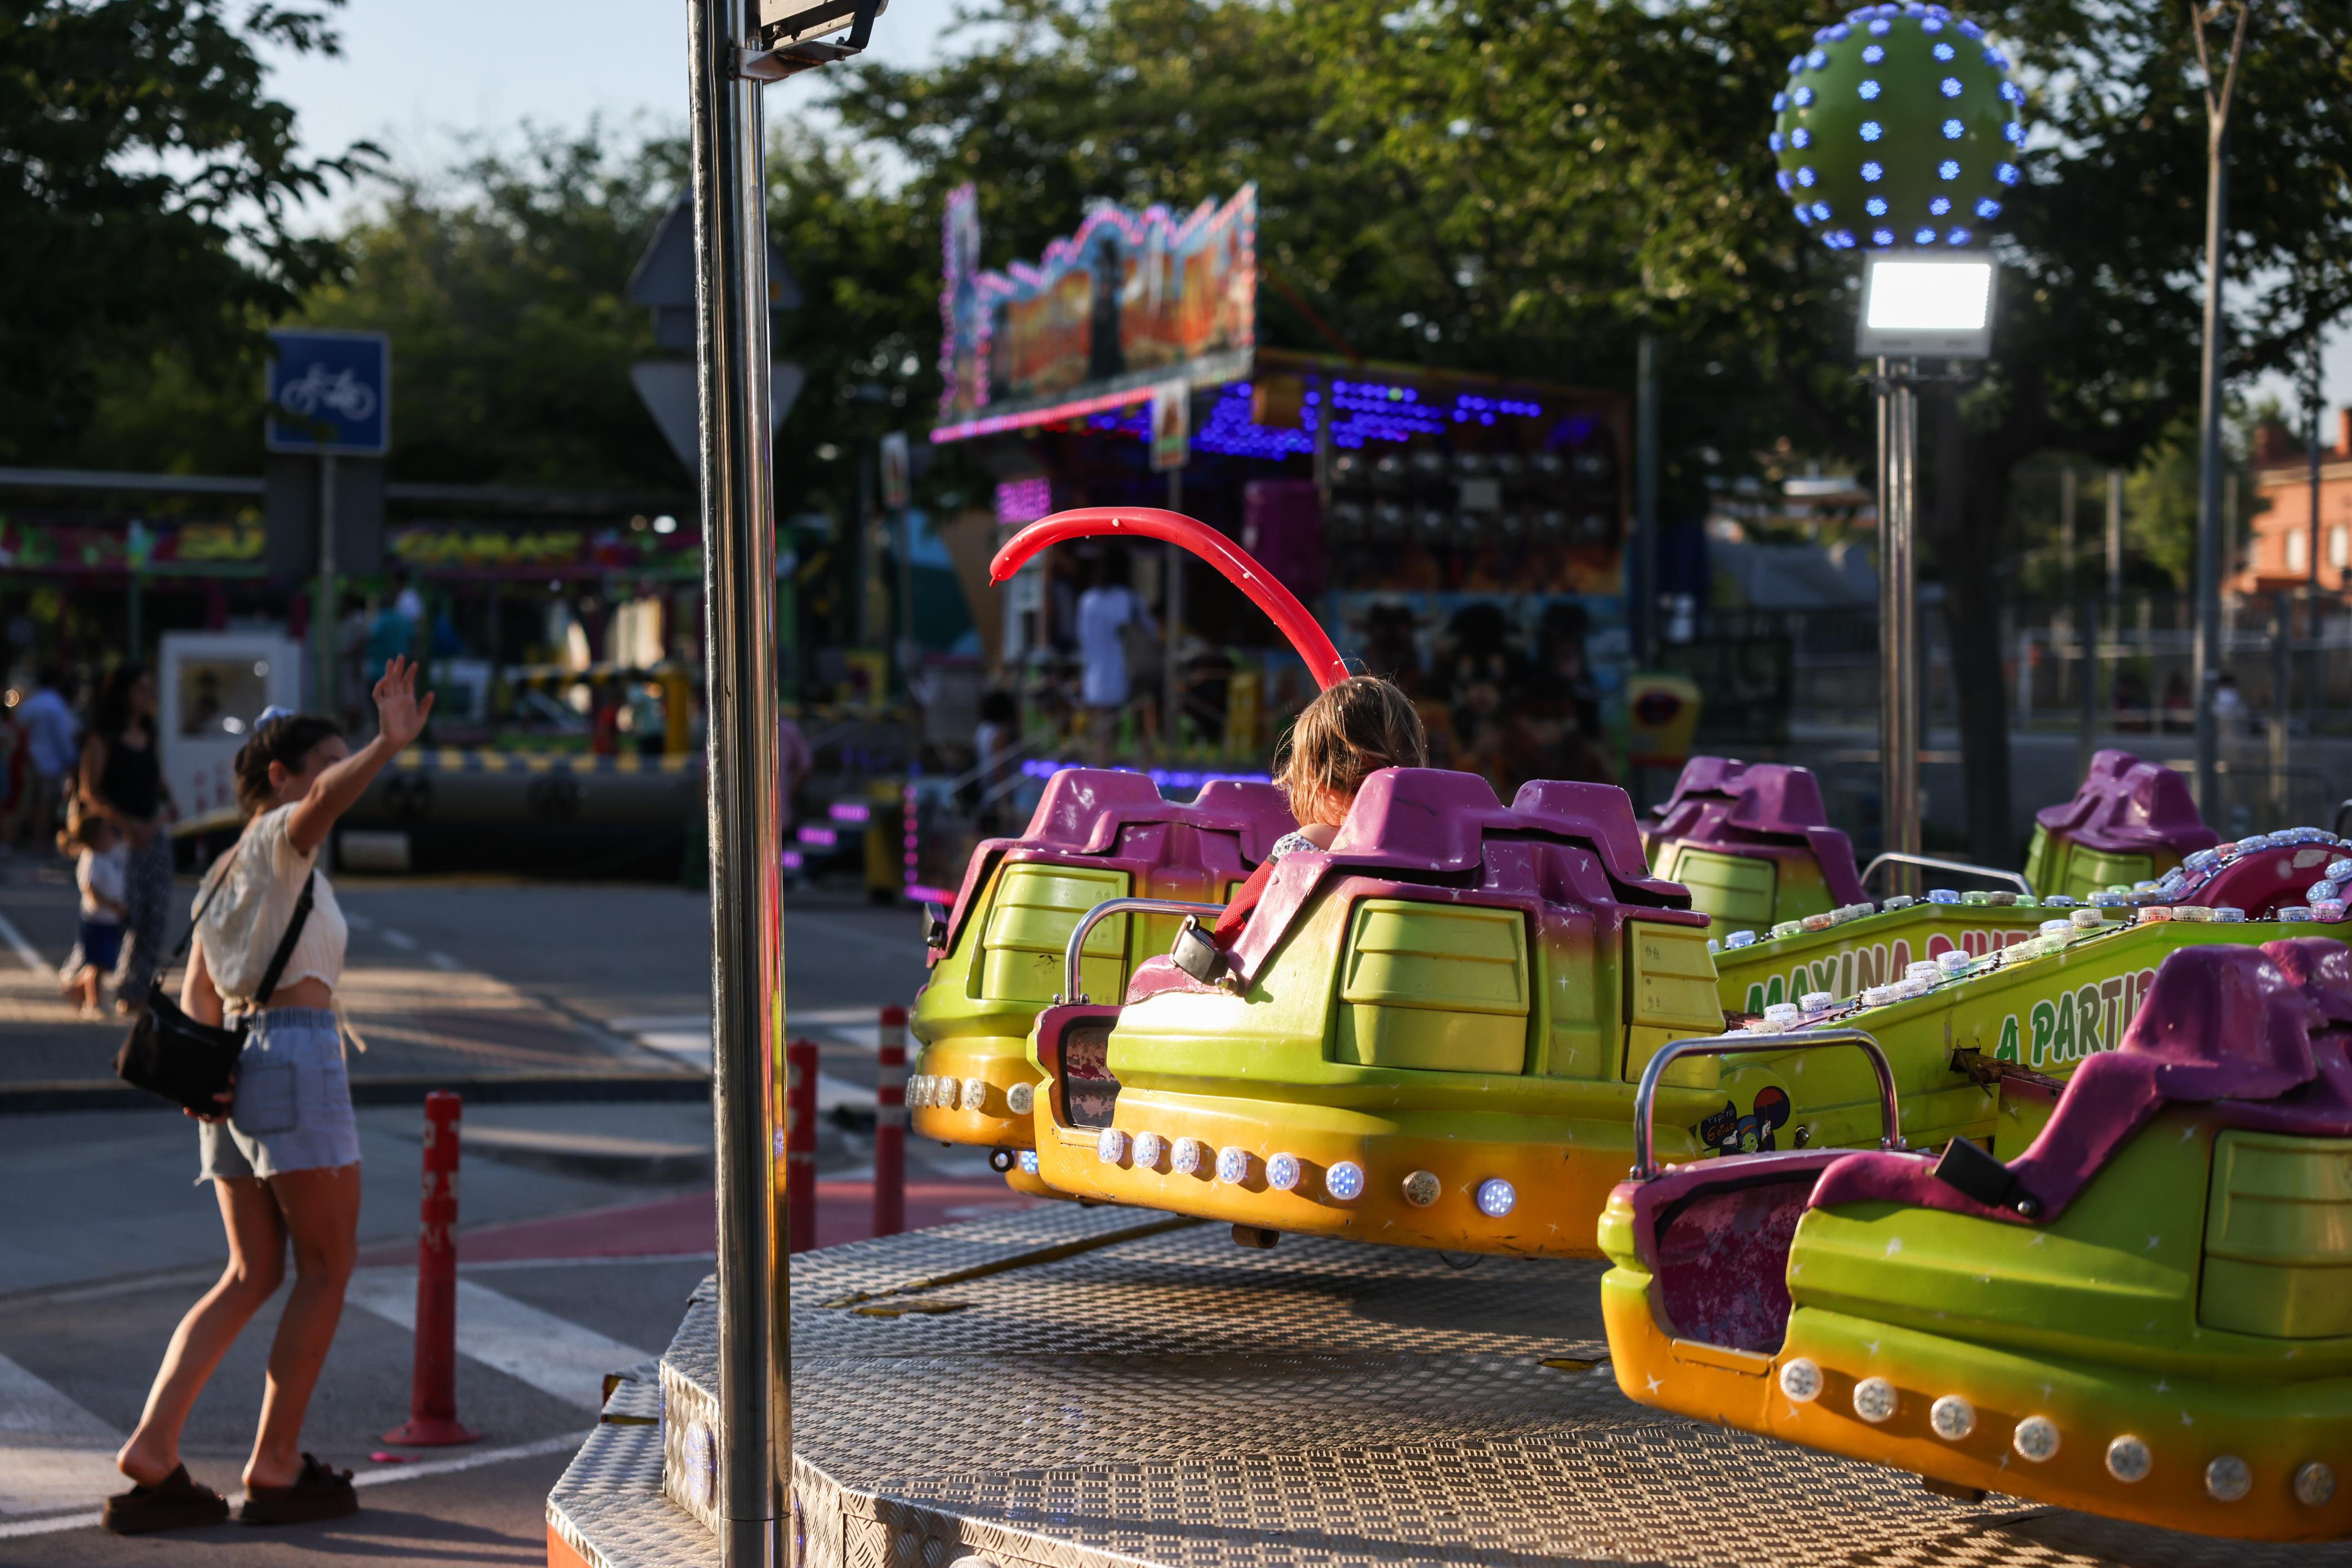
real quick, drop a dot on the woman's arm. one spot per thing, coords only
(400, 718)
(198, 997)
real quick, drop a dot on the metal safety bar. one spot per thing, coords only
(1104, 910)
(1646, 1162)
(1897, 858)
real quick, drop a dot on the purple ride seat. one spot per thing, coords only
(1767, 809)
(2126, 807)
(2256, 1034)
(1120, 820)
(1559, 849)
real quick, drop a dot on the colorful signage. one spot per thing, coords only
(1127, 299)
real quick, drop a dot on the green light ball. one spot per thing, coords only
(1905, 110)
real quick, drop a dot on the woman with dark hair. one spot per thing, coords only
(122, 780)
(284, 1161)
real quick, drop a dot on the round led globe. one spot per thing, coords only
(1886, 126)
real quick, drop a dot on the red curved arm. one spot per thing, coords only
(1281, 605)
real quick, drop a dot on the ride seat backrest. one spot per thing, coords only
(1769, 809)
(2130, 819)
(1722, 1261)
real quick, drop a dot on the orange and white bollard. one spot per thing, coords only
(433, 1387)
(890, 1124)
(800, 1143)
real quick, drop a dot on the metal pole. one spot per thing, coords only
(2311, 403)
(2086, 733)
(1898, 686)
(746, 907)
(2115, 546)
(2206, 673)
(1646, 500)
(330, 702)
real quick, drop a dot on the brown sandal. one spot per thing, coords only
(320, 1491)
(175, 1502)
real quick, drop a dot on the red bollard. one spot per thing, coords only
(433, 1391)
(800, 1143)
(890, 1124)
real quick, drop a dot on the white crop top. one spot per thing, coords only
(260, 882)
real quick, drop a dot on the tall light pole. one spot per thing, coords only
(737, 46)
(2205, 657)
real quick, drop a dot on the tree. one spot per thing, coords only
(1612, 156)
(147, 185)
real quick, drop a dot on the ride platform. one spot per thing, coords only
(1070, 1387)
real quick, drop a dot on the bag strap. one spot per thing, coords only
(286, 943)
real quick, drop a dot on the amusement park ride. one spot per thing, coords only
(2040, 1192)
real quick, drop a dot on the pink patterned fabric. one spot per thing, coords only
(1120, 820)
(1722, 1267)
(1742, 808)
(2256, 1034)
(2128, 806)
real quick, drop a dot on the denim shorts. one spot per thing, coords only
(293, 1110)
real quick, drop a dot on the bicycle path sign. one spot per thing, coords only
(330, 394)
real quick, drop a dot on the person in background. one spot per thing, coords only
(122, 780)
(285, 1161)
(100, 859)
(1105, 610)
(51, 751)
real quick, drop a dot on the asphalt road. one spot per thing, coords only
(583, 1226)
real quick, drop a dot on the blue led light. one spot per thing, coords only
(1875, 207)
(1957, 236)
(1872, 131)
(1882, 236)
(1970, 30)
(1935, 25)
(2012, 93)
(1845, 239)
(1872, 54)
(1872, 172)
(1987, 207)
(1817, 59)
(1796, 64)
(1939, 205)
(1869, 88)
(1805, 175)
(2005, 172)
(1804, 216)
(1952, 129)
(1996, 59)
(1881, 27)
(1837, 33)
(1943, 51)
(2013, 131)
(1776, 141)
(1800, 137)
(1801, 96)
(1949, 169)
(1949, 87)
(1821, 211)
(1924, 236)
(1779, 102)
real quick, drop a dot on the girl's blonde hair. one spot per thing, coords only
(1348, 732)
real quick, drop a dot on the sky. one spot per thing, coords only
(415, 76)
(419, 77)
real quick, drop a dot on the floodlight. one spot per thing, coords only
(787, 26)
(1922, 304)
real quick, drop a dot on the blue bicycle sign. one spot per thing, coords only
(330, 392)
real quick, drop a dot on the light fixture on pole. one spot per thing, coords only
(1896, 136)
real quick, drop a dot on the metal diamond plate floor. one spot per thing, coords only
(1071, 1387)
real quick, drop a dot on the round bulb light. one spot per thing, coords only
(1953, 1418)
(2036, 1439)
(1111, 1147)
(1344, 1180)
(1185, 1158)
(2314, 1485)
(1497, 1197)
(2128, 1459)
(1232, 1166)
(1282, 1173)
(1149, 1147)
(1421, 1188)
(1801, 1379)
(1873, 1400)
(2228, 1478)
(975, 1094)
(946, 1093)
(1937, 120)
(1020, 1099)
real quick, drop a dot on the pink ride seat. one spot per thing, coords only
(1715, 1235)
(2258, 1035)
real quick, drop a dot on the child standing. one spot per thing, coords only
(101, 868)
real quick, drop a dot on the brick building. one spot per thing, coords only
(2278, 543)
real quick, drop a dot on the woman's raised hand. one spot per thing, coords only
(400, 716)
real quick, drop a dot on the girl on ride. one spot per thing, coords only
(1351, 731)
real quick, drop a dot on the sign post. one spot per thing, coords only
(330, 397)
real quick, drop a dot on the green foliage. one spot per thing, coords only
(147, 181)
(502, 284)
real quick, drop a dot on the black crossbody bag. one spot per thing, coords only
(186, 1062)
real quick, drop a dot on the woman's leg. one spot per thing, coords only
(147, 894)
(322, 1209)
(257, 1262)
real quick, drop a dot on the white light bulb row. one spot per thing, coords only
(950, 1093)
(2036, 1439)
(1343, 1180)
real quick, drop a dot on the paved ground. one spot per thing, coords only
(585, 1224)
